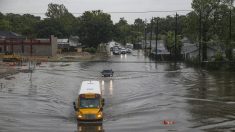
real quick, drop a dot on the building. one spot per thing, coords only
(161, 48)
(10, 35)
(69, 45)
(28, 47)
(191, 51)
(63, 45)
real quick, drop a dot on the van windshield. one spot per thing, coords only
(89, 103)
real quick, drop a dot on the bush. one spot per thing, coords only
(90, 50)
(219, 57)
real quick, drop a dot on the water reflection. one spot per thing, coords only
(32, 89)
(107, 85)
(212, 101)
(90, 127)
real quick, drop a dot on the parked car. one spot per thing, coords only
(116, 51)
(107, 73)
(123, 51)
(128, 50)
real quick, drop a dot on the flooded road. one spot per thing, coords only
(140, 97)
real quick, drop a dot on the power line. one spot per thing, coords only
(115, 12)
(142, 12)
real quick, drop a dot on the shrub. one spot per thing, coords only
(219, 57)
(90, 50)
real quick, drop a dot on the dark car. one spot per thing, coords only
(107, 73)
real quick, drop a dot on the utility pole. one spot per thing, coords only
(151, 35)
(200, 37)
(156, 33)
(145, 39)
(145, 36)
(138, 37)
(176, 25)
(230, 32)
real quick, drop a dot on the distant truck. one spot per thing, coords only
(90, 103)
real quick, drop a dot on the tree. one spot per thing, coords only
(56, 11)
(4, 25)
(138, 28)
(170, 41)
(60, 14)
(95, 27)
(210, 12)
(49, 27)
(191, 26)
(22, 24)
(123, 30)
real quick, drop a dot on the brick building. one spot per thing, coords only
(32, 47)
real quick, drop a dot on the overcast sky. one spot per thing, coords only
(39, 7)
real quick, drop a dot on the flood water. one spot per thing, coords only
(140, 97)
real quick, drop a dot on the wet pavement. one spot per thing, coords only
(141, 96)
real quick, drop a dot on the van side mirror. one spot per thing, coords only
(74, 106)
(103, 102)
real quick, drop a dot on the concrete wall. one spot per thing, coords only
(54, 45)
(41, 50)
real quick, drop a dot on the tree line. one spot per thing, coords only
(210, 21)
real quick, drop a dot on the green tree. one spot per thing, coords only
(4, 25)
(212, 13)
(61, 15)
(49, 27)
(22, 24)
(95, 27)
(122, 29)
(171, 46)
(191, 26)
(56, 11)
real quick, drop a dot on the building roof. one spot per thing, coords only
(7, 34)
(90, 87)
(188, 48)
(72, 41)
(63, 41)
